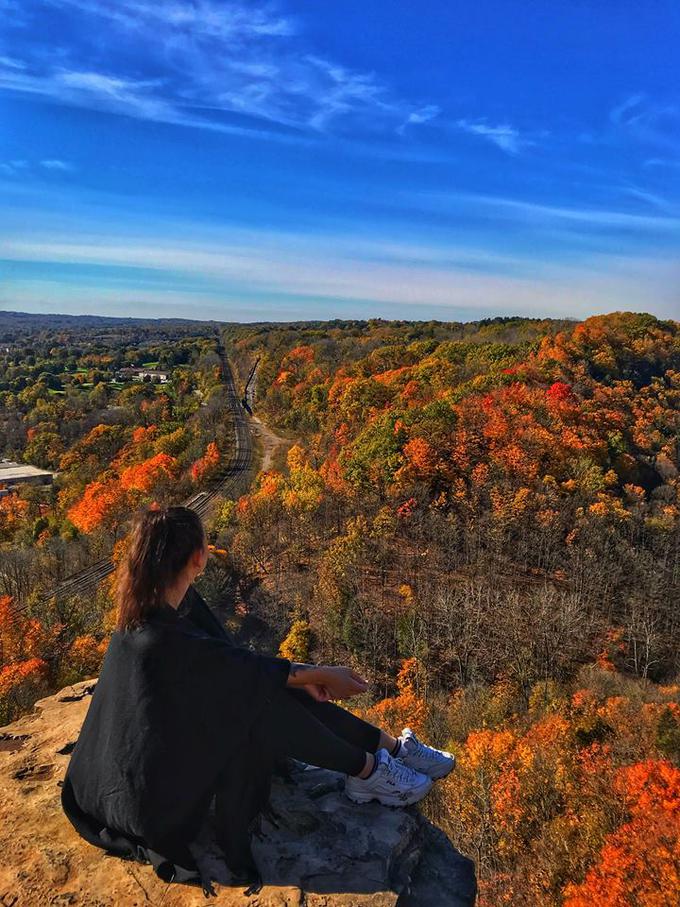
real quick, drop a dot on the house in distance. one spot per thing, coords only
(130, 373)
(12, 473)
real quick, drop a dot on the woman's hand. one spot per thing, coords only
(317, 691)
(326, 681)
(341, 683)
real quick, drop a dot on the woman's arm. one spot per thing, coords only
(301, 674)
(340, 682)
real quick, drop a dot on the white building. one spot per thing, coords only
(139, 374)
(12, 473)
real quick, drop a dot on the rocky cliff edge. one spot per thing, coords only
(324, 851)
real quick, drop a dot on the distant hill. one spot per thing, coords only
(37, 321)
(55, 320)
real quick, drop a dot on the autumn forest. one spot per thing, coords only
(482, 517)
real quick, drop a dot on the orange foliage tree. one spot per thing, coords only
(640, 861)
(99, 501)
(108, 501)
(23, 643)
(206, 467)
(13, 512)
(144, 476)
(407, 708)
(83, 659)
(21, 683)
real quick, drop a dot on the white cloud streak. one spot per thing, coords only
(57, 164)
(11, 63)
(266, 266)
(209, 19)
(24, 168)
(624, 111)
(416, 117)
(648, 122)
(13, 168)
(660, 162)
(234, 67)
(504, 136)
(551, 214)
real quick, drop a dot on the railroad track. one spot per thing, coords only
(230, 480)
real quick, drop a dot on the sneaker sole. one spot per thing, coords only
(413, 797)
(439, 773)
(442, 773)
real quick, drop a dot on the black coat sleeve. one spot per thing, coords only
(231, 668)
(221, 681)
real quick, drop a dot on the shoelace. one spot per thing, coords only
(414, 747)
(419, 748)
(398, 770)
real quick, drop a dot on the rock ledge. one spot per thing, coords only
(322, 851)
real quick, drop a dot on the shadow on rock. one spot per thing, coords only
(316, 839)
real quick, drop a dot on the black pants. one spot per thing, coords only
(320, 733)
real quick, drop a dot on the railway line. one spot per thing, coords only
(230, 480)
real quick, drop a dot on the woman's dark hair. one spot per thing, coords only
(160, 543)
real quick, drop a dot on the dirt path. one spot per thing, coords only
(269, 441)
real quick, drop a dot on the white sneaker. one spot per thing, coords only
(392, 783)
(423, 758)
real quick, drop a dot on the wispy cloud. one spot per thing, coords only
(649, 121)
(224, 274)
(542, 214)
(114, 253)
(650, 198)
(661, 162)
(628, 110)
(134, 98)
(11, 63)
(24, 167)
(231, 66)
(199, 17)
(504, 136)
(12, 168)
(57, 164)
(416, 117)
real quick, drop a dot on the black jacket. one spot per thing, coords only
(168, 726)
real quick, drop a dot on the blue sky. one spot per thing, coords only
(248, 161)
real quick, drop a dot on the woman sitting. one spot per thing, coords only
(181, 715)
